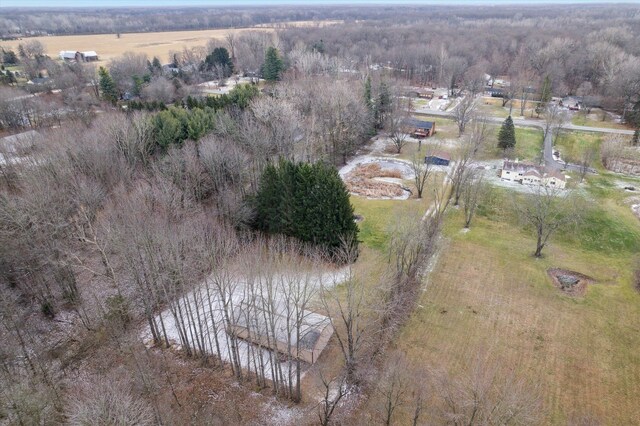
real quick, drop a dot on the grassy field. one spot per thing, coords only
(528, 144)
(487, 294)
(572, 144)
(582, 352)
(152, 44)
(591, 120)
(493, 107)
(378, 223)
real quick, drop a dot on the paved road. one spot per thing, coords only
(548, 141)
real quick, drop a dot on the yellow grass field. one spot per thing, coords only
(153, 44)
(489, 295)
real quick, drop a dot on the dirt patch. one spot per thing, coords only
(569, 282)
(376, 180)
(374, 189)
(372, 170)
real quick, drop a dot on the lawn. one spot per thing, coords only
(528, 144)
(581, 119)
(572, 144)
(381, 216)
(487, 294)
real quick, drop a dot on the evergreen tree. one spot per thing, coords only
(635, 140)
(545, 95)
(273, 65)
(219, 57)
(9, 57)
(155, 64)
(242, 94)
(368, 99)
(167, 129)
(107, 86)
(383, 105)
(306, 201)
(507, 135)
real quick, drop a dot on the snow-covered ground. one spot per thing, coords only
(213, 87)
(205, 305)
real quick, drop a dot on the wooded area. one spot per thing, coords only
(177, 234)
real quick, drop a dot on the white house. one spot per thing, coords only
(554, 179)
(531, 174)
(531, 177)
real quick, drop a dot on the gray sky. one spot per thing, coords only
(176, 3)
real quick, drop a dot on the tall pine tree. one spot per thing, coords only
(273, 65)
(368, 99)
(507, 135)
(545, 95)
(107, 86)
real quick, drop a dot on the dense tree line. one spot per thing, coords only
(581, 51)
(112, 220)
(306, 201)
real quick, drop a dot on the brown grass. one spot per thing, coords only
(360, 181)
(374, 170)
(373, 188)
(153, 44)
(488, 293)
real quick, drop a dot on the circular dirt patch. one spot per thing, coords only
(380, 179)
(569, 282)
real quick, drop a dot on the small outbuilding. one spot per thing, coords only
(70, 55)
(89, 56)
(438, 159)
(250, 323)
(418, 128)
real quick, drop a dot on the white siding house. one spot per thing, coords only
(531, 174)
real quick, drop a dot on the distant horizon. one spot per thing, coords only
(46, 4)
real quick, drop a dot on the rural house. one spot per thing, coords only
(531, 174)
(419, 128)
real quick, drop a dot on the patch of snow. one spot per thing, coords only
(209, 316)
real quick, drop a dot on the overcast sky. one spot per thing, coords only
(154, 3)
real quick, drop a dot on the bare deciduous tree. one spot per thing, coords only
(421, 171)
(471, 195)
(333, 392)
(348, 321)
(487, 394)
(547, 210)
(464, 112)
(107, 401)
